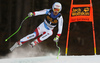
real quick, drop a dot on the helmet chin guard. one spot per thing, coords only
(57, 5)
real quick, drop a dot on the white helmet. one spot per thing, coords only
(57, 5)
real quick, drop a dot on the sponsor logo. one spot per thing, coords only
(51, 20)
(81, 11)
(30, 36)
(45, 35)
(57, 5)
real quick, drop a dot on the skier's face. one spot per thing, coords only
(56, 11)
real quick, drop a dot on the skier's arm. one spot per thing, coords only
(60, 27)
(41, 12)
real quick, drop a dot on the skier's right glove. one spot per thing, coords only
(30, 14)
(56, 39)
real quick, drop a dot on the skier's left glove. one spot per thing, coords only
(30, 14)
(56, 39)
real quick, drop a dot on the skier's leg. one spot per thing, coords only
(38, 31)
(28, 37)
(45, 35)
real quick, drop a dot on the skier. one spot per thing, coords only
(45, 29)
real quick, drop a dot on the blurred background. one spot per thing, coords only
(12, 12)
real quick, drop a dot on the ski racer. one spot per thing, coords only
(45, 29)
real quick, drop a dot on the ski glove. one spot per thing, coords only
(56, 39)
(30, 14)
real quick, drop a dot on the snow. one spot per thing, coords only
(32, 55)
(53, 59)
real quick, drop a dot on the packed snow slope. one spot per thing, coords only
(53, 59)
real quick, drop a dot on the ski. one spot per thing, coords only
(14, 46)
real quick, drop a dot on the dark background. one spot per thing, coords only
(12, 12)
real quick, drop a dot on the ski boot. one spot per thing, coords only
(19, 44)
(34, 43)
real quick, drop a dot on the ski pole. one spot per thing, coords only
(58, 48)
(17, 30)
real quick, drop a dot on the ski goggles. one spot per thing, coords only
(56, 10)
